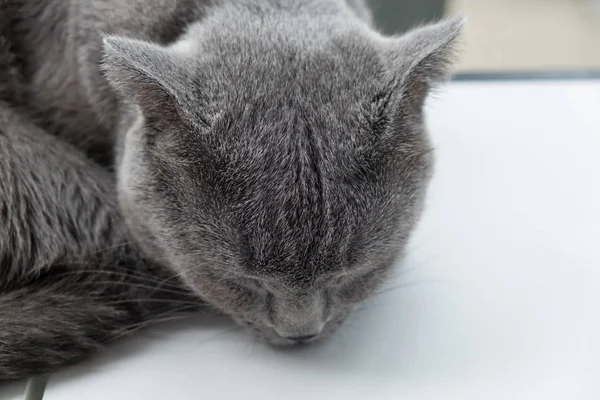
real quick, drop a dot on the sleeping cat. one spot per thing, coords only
(265, 156)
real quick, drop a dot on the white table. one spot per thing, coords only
(13, 391)
(498, 298)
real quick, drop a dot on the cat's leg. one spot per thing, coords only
(69, 279)
(54, 203)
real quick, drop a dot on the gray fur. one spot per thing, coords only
(270, 153)
(70, 280)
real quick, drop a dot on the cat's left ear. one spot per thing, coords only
(423, 58)
(151, 76)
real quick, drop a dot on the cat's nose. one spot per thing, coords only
(299, 317)
(301, 334)
(303, 338)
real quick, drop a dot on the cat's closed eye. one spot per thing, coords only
(356, 288)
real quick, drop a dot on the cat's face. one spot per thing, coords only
(281, 182)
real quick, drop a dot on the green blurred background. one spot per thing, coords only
(394, 16)
(509, 35)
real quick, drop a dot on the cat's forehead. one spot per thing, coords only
(336, 71)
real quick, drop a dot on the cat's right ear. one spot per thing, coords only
(147, 75)
(423, 58)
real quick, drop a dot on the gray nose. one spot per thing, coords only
(299, 317)
(303, 338)
(301, 334)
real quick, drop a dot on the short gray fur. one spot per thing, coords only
(268, 157)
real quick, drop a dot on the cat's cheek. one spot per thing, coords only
(337, 321)
(352, 296)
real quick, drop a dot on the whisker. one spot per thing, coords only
(164, 317)
(134, 275)
(95, 284)
(178, 275)
(160, 301)
(113, 247)
(216, 284)
(408, 284)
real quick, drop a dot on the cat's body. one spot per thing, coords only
(60, 49)
(70, 280)
(269, 153)
(59, 52)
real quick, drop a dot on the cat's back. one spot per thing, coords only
(38, 36)
(58, 48)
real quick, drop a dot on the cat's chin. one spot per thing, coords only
(270, 336)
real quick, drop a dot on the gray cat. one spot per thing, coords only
(266, 156)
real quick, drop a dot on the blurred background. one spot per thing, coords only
(510, 35)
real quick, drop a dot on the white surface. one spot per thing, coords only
(498, 298)
(12, 391)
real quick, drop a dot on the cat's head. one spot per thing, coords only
(278, 171)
